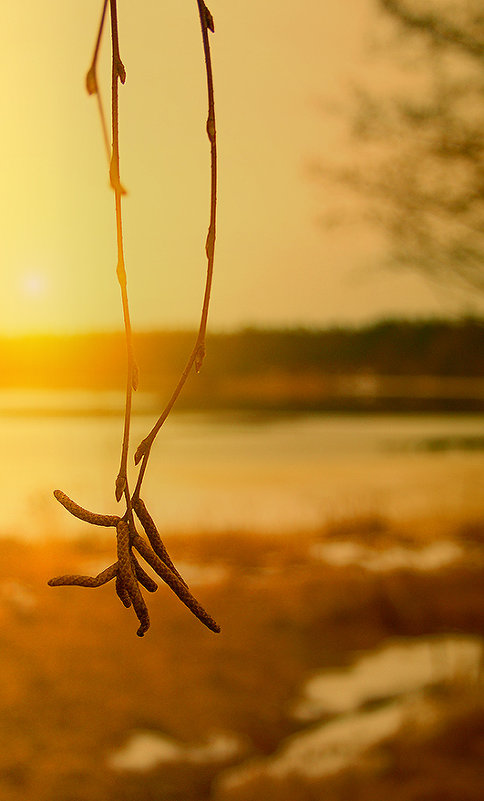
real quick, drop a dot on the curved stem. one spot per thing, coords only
(99, 34)
(197, 355)
(206, 22)
(91, 81)
(119, 73)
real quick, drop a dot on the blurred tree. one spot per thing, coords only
(420, 146)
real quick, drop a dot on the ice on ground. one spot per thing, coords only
(395, 676)
(431, 557)
(145, 750)
(331, 747)
(398, 668)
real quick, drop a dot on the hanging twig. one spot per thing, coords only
(119, 74)
(92, 84)
(126, 570)
(198, 352)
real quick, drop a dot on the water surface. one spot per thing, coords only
(220, 471)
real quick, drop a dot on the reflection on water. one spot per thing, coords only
(223, 472)
(456, 443)
(35, 403)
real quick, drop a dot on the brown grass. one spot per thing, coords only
(75, 682)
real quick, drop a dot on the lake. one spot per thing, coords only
(222, 471)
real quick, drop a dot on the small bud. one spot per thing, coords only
(91, 82)
(208, 19)
(211, 128)
(199, 357)
(113, 173)
(120, 69)
(135, 377)
(120, 485)
(210, 242)
(140, 452)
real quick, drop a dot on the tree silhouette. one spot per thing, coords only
(420, 151)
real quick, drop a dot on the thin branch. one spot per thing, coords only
(92, 84)
(119, 74)
(128, 572)
(207, 24)
(91, 77)
(198, 352)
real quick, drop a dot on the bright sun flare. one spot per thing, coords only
(33, 285)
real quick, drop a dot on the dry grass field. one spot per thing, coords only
(77, 686)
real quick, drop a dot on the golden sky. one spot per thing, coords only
(278, 68)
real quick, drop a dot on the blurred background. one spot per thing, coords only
(319, 484)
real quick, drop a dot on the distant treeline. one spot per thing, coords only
(393, 347)
(298, 366)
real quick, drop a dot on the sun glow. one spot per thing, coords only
(33, 285)
(29, 302)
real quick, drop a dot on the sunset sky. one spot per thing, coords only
(280, 71)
